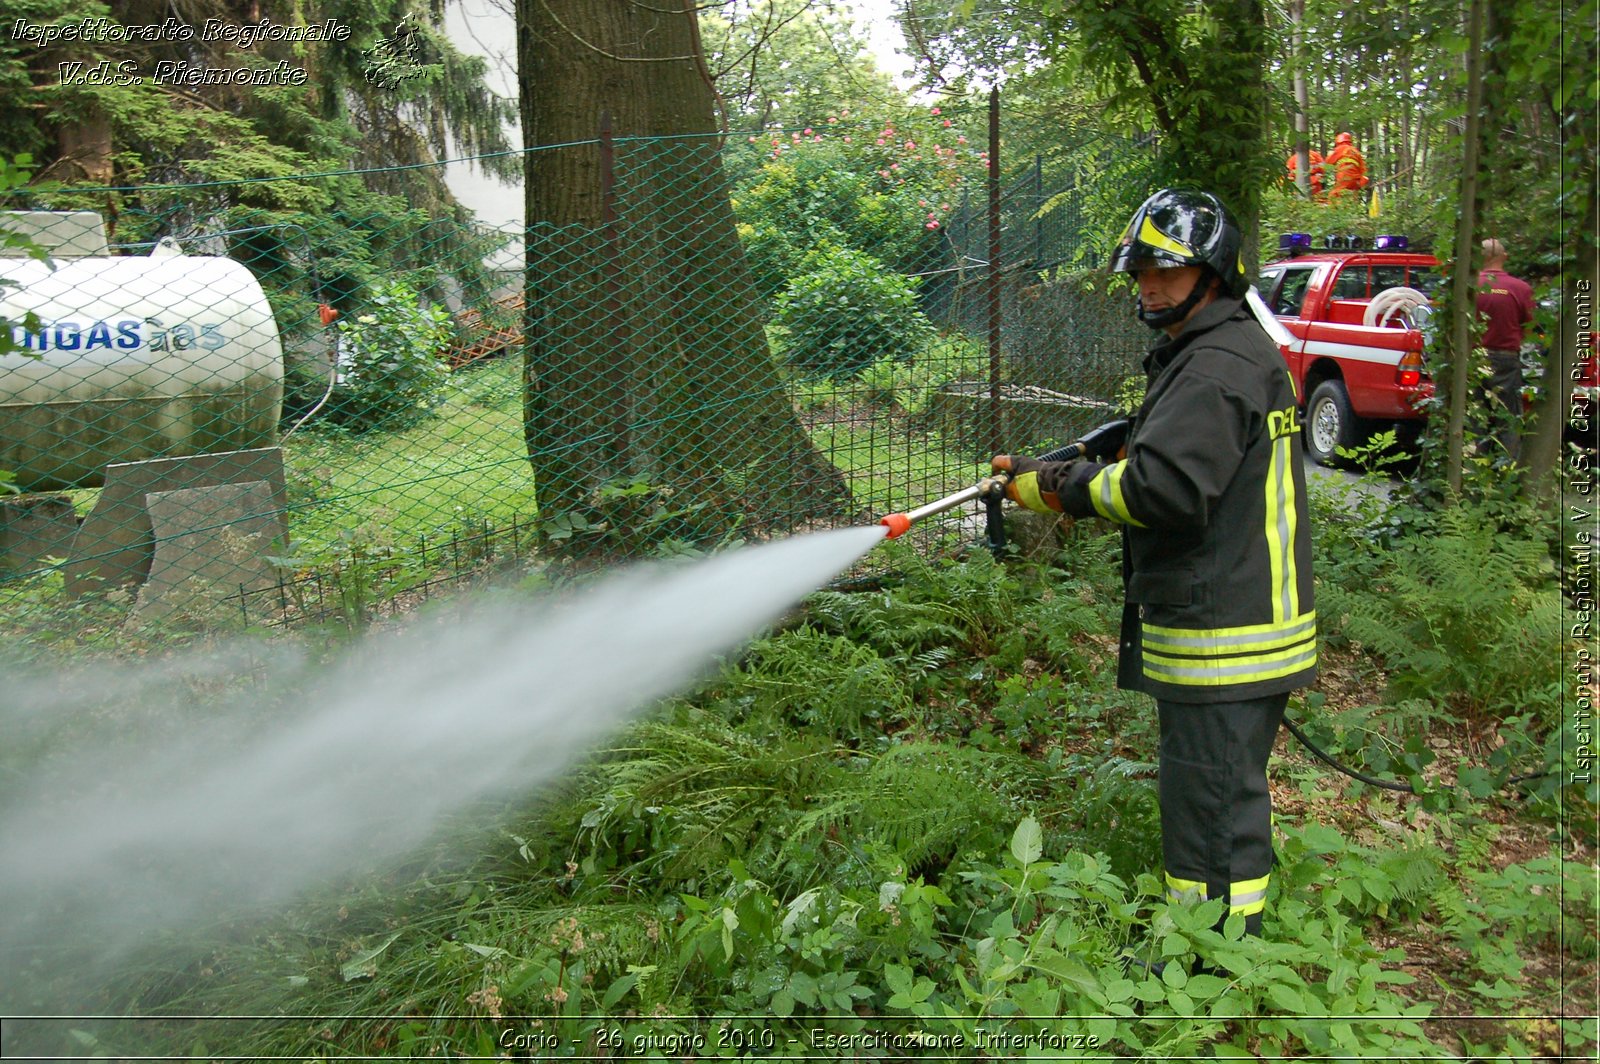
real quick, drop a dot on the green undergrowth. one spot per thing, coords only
(1461, 613)
(915, 820)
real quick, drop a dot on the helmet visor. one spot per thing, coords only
(1135, 264)
(1131, 258)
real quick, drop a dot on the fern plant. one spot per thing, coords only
(970, 610)
(1469, 614)
(1113, 810)
(681, 798)
(922, 802)
(823, 682)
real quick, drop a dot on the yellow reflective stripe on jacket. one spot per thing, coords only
(1105, 493)
(1239, 640)
(1194, 672)
(1282, 519)
(1201, 657)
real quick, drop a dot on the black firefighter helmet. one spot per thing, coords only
(1181, 227)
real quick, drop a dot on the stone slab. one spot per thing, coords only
(209, 543)
(115, 544)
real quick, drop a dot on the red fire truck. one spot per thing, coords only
(1356, 317)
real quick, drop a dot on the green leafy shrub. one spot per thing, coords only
(1285, 210)
(909, 385)
(14, 173)
(771, 255)
(845, 311)
(1495, 914)
(781, 959)
(770, 847)
(1026, 708)
(887, 188)
(1456, 613)
(391, 367)
(1048, 939)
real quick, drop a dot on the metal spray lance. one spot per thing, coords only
(1102, 442)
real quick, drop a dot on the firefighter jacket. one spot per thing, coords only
(1212, 500)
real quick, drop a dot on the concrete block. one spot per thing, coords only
(209, 543)
(115, 544)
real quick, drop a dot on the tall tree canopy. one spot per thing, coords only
(787, 61)
(203, 133)
(1193, 73)
(171, 123)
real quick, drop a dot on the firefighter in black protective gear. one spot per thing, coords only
(1218, 624)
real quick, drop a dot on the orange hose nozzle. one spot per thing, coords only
(897, 524)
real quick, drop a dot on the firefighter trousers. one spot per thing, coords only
(1504, 387)
(1216, 811)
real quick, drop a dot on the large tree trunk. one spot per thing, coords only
(1542, 450)
(1463, 302)
(1302, 97)
(646, 358)
(84, 152)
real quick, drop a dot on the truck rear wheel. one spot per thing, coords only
(1330, 423)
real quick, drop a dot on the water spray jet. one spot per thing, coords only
(229, 780)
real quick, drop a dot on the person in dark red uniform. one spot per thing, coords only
(1505, 306)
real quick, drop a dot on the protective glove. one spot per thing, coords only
(1022, 485)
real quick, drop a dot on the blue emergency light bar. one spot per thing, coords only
(1292, 244)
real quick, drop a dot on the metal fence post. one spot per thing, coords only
(994, 270)
(1038, 219)
(618, 325)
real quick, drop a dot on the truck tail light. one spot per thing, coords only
(1408, 373)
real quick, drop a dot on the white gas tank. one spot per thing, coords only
(162, 356)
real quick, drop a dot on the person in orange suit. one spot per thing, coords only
(1293, 163)
(1345, 163)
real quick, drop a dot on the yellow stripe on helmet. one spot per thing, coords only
(1150, 235)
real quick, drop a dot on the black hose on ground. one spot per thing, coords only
(1388, 785)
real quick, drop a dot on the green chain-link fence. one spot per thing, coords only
(254, 394)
